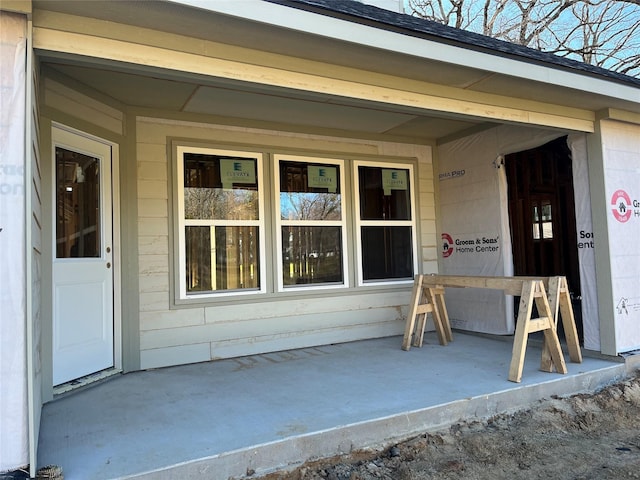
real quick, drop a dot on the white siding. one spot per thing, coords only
(172, 335)
(36, 270)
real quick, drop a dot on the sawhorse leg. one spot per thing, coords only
(440, 315)
(410, 325)
(434, 297)
(560, 300)
(534, 291)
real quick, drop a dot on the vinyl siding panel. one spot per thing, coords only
(36, 262)
(295, 340)
(157, 282)
(152, 189)
(165, 357)
(153, 264)
(153, 302)
(152, 207)
(153, 245)
(254, 328)
(169, 320)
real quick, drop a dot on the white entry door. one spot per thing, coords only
(83, 312)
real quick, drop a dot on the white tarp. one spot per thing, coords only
(586, 241)
(475, 221)
(621, 156)
(13, 377)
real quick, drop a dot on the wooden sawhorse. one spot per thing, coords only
(424, 300)
(560, 302)
(428, 297)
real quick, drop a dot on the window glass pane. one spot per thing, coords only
(536, 231)
(547, 224)
(536, 223)
(220, 187)
(77, 205)
(221, 258)
(311, 255)
(542, 221)
(386, 252)
(385, 193)
(309, 191)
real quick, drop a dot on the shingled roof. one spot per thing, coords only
(403, 24)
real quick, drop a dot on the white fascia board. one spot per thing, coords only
(322, 25)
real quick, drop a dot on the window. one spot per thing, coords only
(221, 229)
(240, 235)
(77, 205)
(542, 221)
(385, 222)
(311, 222)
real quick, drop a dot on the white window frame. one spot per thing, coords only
(182, 223)
(279, 223)
(359, 223)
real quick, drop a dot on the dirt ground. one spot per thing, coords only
(594, 437)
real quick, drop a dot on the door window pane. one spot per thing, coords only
(542, 222)
(536, 223)
(77, 205)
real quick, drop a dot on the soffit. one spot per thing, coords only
(292, 110)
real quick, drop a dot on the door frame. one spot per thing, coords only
(522, 190)
(116, 256)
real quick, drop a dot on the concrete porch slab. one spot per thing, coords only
(218, 420)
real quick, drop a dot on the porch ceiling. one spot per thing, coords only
(257, 105)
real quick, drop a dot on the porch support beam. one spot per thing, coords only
(619, 115)
(101, 49)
